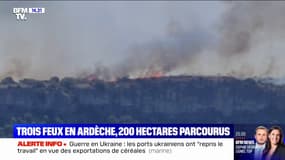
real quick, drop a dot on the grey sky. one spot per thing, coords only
(73, 36)
(191, 37)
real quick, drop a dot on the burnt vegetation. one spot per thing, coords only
(173, 99)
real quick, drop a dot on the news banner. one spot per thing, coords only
(119, 141)
(129, 141)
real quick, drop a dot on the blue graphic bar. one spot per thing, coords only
(123, 131)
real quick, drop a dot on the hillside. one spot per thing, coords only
(179, 99)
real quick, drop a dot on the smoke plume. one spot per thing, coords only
(246, 40)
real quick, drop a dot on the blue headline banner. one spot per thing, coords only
(123, 131)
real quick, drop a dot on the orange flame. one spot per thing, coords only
(91, 77)
(156, 74)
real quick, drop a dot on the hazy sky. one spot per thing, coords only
(132, 37)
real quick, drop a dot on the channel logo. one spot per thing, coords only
(21, 13)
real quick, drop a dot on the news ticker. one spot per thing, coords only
(131, 141)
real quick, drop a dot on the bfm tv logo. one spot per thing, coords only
(21, 12)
